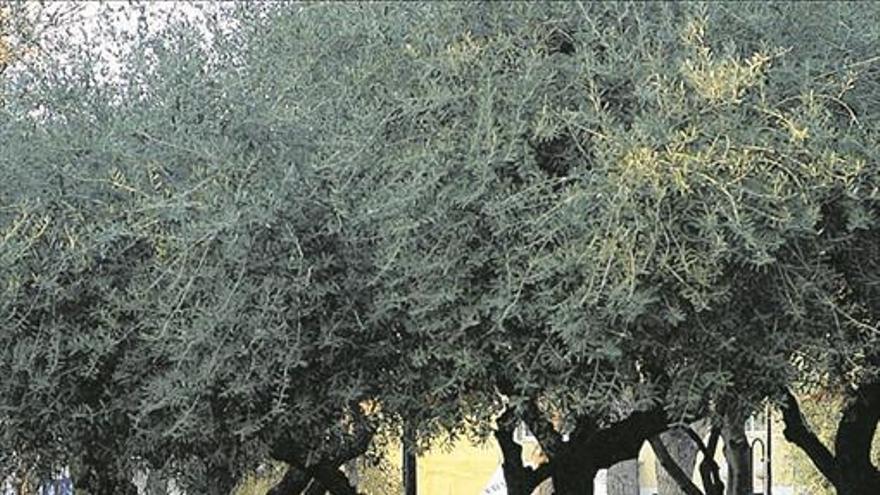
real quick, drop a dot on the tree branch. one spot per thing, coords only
(858, 424)
(623, 440)
(295, 480)
(315, 488)
(333, 479)
(519, 478)
(695, 437)
(799, 433)
(548, 437)
(709, 471)
(672, 468)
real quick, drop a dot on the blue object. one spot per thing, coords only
(59, 486)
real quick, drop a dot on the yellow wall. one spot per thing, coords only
(460, 469)
(466, 469)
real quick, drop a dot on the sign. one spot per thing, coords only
(496, 485)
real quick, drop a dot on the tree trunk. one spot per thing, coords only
(683, 451)
(858, 487)
(325, 471)
(333, 479)
(410, 473)
(315, 488)
(575, 463)
(737, 452)
(849, 469)
(683, 483)
(221, 481)
(573, 477)
(709, 472)
(623, 478)
(295, 480)
(520, 479)
(852, 443)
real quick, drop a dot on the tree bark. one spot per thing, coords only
(798, 432)
(575, 463)
(855, 434)
(623, 478)
(410, 472)
(315, 488)
(709, 472)
(326, 470)
(520, 479)
(738, 453)
(295, 480)
(333, 479)
(683, 483)
(591, 448)
(573, 476)
(849, 469)
(683, 452)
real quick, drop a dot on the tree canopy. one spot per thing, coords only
(272, 234)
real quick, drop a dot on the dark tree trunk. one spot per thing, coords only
(709, 471)
(683, 483)
(315, 488)
(849, 469)
(573, 464)
(737, 452)
(295, 480)
(410, 473)
(573, 478)
(326, 470)
(520, 479)
(683, 452)
(852, 444)
(333, 479)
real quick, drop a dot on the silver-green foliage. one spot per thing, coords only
(254, 230)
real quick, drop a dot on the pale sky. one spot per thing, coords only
(99, 27)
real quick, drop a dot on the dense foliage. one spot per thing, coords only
(276, 232)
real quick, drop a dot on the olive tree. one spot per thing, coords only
(637, 190)
(182, 290)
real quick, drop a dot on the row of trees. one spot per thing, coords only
(295, 227)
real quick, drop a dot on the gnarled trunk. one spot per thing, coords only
(294, 481)
(849, 469)
(573, 478)
(520, 479)
(737, 453)
(573, 465)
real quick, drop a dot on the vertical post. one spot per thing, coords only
(752, 463)
(768, 457)
(409, 461)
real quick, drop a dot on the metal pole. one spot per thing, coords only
(409, 462)
(768, 458)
